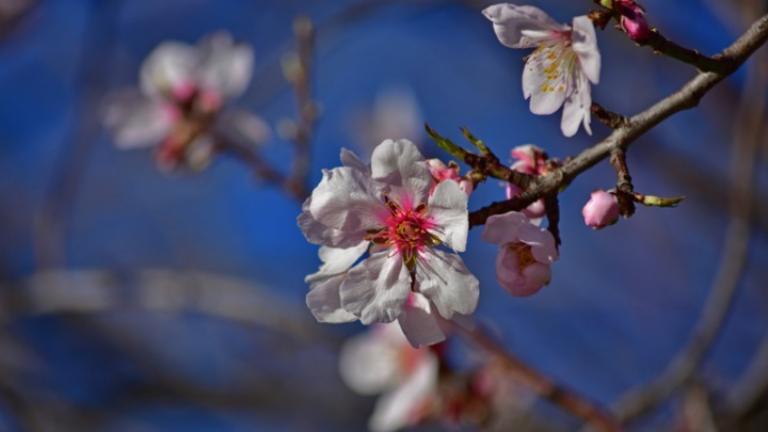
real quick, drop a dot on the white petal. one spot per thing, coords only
(169, 65)
(448, 209)
(225, 67)
(137, 121)
(350, 159)
(338, 260)
(317, 233)
(323, 299)
(547, 78)
(420, 322)
(396, 409)
(344, 201)
(504, 228)
(577, 110)
(585, 47)
(400, 165)
(444, 279)
(511, 21)
(377, 288)
(369, 363)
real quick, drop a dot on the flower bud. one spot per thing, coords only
(601, 210)
(633, 20)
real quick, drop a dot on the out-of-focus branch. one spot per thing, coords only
(621, 138)
(566, 399)
(746, 147)
(299, 74)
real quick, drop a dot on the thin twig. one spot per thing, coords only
(571, 402)
(625, 191)
(685, 98)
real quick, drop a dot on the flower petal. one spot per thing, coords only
(419, 322)
(510, 22)
(168, 66)
(503, 228)
(369, 363)
(400, 165)
(541, 241)
(338, 260)
(225, 67)
(377, 288)
(343, 201)
(547, 78)
(577, 110)
(399, 408)
(448, 210)
(137, 121)
(350, 159)
(444, 279)
(323, 298)
(585, 47)
(243, 125)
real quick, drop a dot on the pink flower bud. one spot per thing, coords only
(633, 20)
(601, 210)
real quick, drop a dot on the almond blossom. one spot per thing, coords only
(182, 91)
(559, 71)
(388, 207)
(526, 252)
(381, 361)
(531, 160)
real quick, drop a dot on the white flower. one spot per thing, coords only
(381, 361)
(183, 88)
(395, 112)
(389, 206)
(561, 68)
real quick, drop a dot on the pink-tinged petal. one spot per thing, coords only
(503, 228)
(350, 159)
(170, 65)
(344, 200)
(225, 67)
(522, 26)
(377, 288)
(536, 275)
(323, 299)
(541, 241)
(400, 165)
(338, 260)
(537, 210)
(585, 47)
(419, 322)
(370, 364)
(137, 121)
(402, 407)
(547, 79)
(507, 268)
(445, 280)
(577, 110)
(448, 211)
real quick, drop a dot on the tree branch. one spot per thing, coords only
(621, 138)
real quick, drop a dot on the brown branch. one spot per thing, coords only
(747, 141)
(625, 191)
(685, 98)
(568, 400)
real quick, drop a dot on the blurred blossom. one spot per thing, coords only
(182, 91)
(381, 361)
(601, 210)
(530, 160)
(526, 253)
(561, 68)
(395, 112)
(393, 208)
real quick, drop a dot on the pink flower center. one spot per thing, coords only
(406, 229)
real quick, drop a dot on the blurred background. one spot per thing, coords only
(134, 299)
